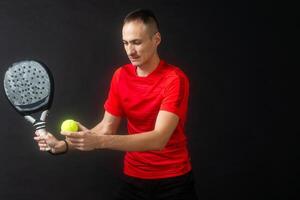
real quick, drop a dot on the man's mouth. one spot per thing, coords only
(134, 58)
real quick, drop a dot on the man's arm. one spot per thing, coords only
(108, 126)
(156, 139)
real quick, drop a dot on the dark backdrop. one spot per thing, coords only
(226, 49)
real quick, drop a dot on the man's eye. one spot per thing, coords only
(137, 43)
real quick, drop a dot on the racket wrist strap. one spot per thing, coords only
(67, 146)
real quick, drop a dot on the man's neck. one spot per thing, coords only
(149, 67)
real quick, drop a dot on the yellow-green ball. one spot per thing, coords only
(69, 125)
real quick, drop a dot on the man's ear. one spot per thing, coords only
(157, 38)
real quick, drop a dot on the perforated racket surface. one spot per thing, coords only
(29, 87)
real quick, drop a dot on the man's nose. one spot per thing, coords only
(131, 50)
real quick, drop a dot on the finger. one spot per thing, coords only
(79, 134)
(66, 133)
(81, 127)
(43, 145)
(75, 140)
(80, 148)
(37, 138)
(37, 133)
(43, 149)
(83, 149)
(42, 142)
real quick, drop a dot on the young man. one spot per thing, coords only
(153, 96)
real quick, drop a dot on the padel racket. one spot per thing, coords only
(29, 87)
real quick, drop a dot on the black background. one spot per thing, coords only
(229, 50)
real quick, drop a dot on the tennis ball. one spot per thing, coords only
(69, 125)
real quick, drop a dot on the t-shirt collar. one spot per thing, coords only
(160, 65)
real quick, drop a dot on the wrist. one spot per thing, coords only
(65, 146)
(100, 142)
(62, 147)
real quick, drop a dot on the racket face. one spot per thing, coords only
(29, 86)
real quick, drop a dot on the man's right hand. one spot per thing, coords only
(56, 146)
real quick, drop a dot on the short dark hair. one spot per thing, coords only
(145, 15)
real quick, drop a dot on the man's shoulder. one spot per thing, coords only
(128, 65)
(121, 69)
(173, 71)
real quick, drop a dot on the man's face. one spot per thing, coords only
(139, 42)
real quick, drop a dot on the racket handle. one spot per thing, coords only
(43, 132)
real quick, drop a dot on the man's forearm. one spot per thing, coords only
(104, 129)
(146, 141)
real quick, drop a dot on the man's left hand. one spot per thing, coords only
(84, 140)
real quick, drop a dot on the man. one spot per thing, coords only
(153, 96)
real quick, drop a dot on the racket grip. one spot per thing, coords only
(43, 132)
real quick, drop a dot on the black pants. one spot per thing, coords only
(176, 188)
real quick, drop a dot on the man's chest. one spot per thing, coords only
(141, 99)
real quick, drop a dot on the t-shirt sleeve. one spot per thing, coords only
(175, 95)
(113, 103)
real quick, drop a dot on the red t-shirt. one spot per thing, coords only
(139, 99)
